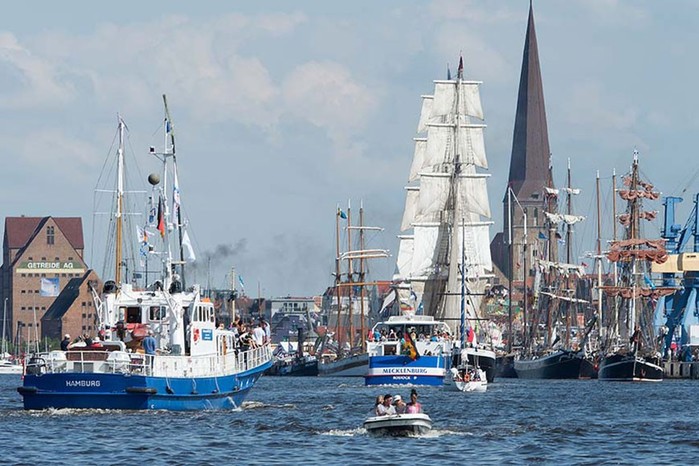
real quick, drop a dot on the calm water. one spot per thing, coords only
(318, 421)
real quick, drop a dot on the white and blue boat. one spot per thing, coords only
(196, 365)
(391, 361)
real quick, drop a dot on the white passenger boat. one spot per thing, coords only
(476, 382)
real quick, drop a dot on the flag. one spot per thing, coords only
(142, 234)
(161, 218)
(542, 236)
(341, 214)
(461, 67)
(49, 287)
(410, 347)
(175, 195)
(240, 280)
(470, 334)
(152, 213)
(187, 248)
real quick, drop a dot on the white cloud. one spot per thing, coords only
(40, 81)
(325, 94)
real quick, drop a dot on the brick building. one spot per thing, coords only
(73, 311)
(41, 255)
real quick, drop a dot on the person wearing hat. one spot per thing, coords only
(399, 405)
(65, 343)
(386, 408)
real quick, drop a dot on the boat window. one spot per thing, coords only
(133, 315)
(156, 313)
(212, 317)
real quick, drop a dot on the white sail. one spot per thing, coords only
(474, 193)
(424, 247)
(435, 189)
(411, 198)
(418, 159)
(477, 246)
(425, 113)
(440, 139)
(445, 99)
(571, 190)
(405, 256)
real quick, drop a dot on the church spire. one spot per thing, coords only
(529, 161)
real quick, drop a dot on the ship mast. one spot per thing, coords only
(119, 204)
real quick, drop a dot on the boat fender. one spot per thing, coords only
(27, 390)
(141, 390)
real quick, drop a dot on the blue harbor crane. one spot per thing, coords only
(677, 315)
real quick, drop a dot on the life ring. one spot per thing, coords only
(195, 336)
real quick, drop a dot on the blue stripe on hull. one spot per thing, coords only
(116, 391)
(433, 381)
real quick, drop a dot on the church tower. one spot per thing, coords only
(530, 173)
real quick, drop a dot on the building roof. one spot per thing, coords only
(20, 230)
(68, 295)
(529, 163)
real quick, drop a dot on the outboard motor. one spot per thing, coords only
(110, 287)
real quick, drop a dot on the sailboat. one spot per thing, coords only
(466, 377)
(344, 353)
(631, 352)
(8, 365)
(447, 198)
(161, 347)
(550, 351)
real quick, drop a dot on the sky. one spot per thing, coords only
(283, 110)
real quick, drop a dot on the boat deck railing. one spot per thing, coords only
(159, 365)
(393, 347)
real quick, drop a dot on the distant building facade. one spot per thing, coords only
(41, 255)
(73, 311)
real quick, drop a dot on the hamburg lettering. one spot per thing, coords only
(82, 383)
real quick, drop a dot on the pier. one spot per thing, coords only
(681, 370)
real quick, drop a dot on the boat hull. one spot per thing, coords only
(559, 365)
(299, 369)
(629, 368)
(505, 367)
(353, 366)
(482, 358)
(133, 392)
(402, 370)
(399, 424)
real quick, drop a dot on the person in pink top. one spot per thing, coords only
(414, 407)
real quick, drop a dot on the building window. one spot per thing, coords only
(536, 216)
(23, 291)
(30, 258)
(50, 235)
(24, 274)
(43, 258)
(70, 258)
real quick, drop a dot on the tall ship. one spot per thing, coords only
(631, 346)
(342, 349)
(555, 343)
(447, 198)
(159, 345)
